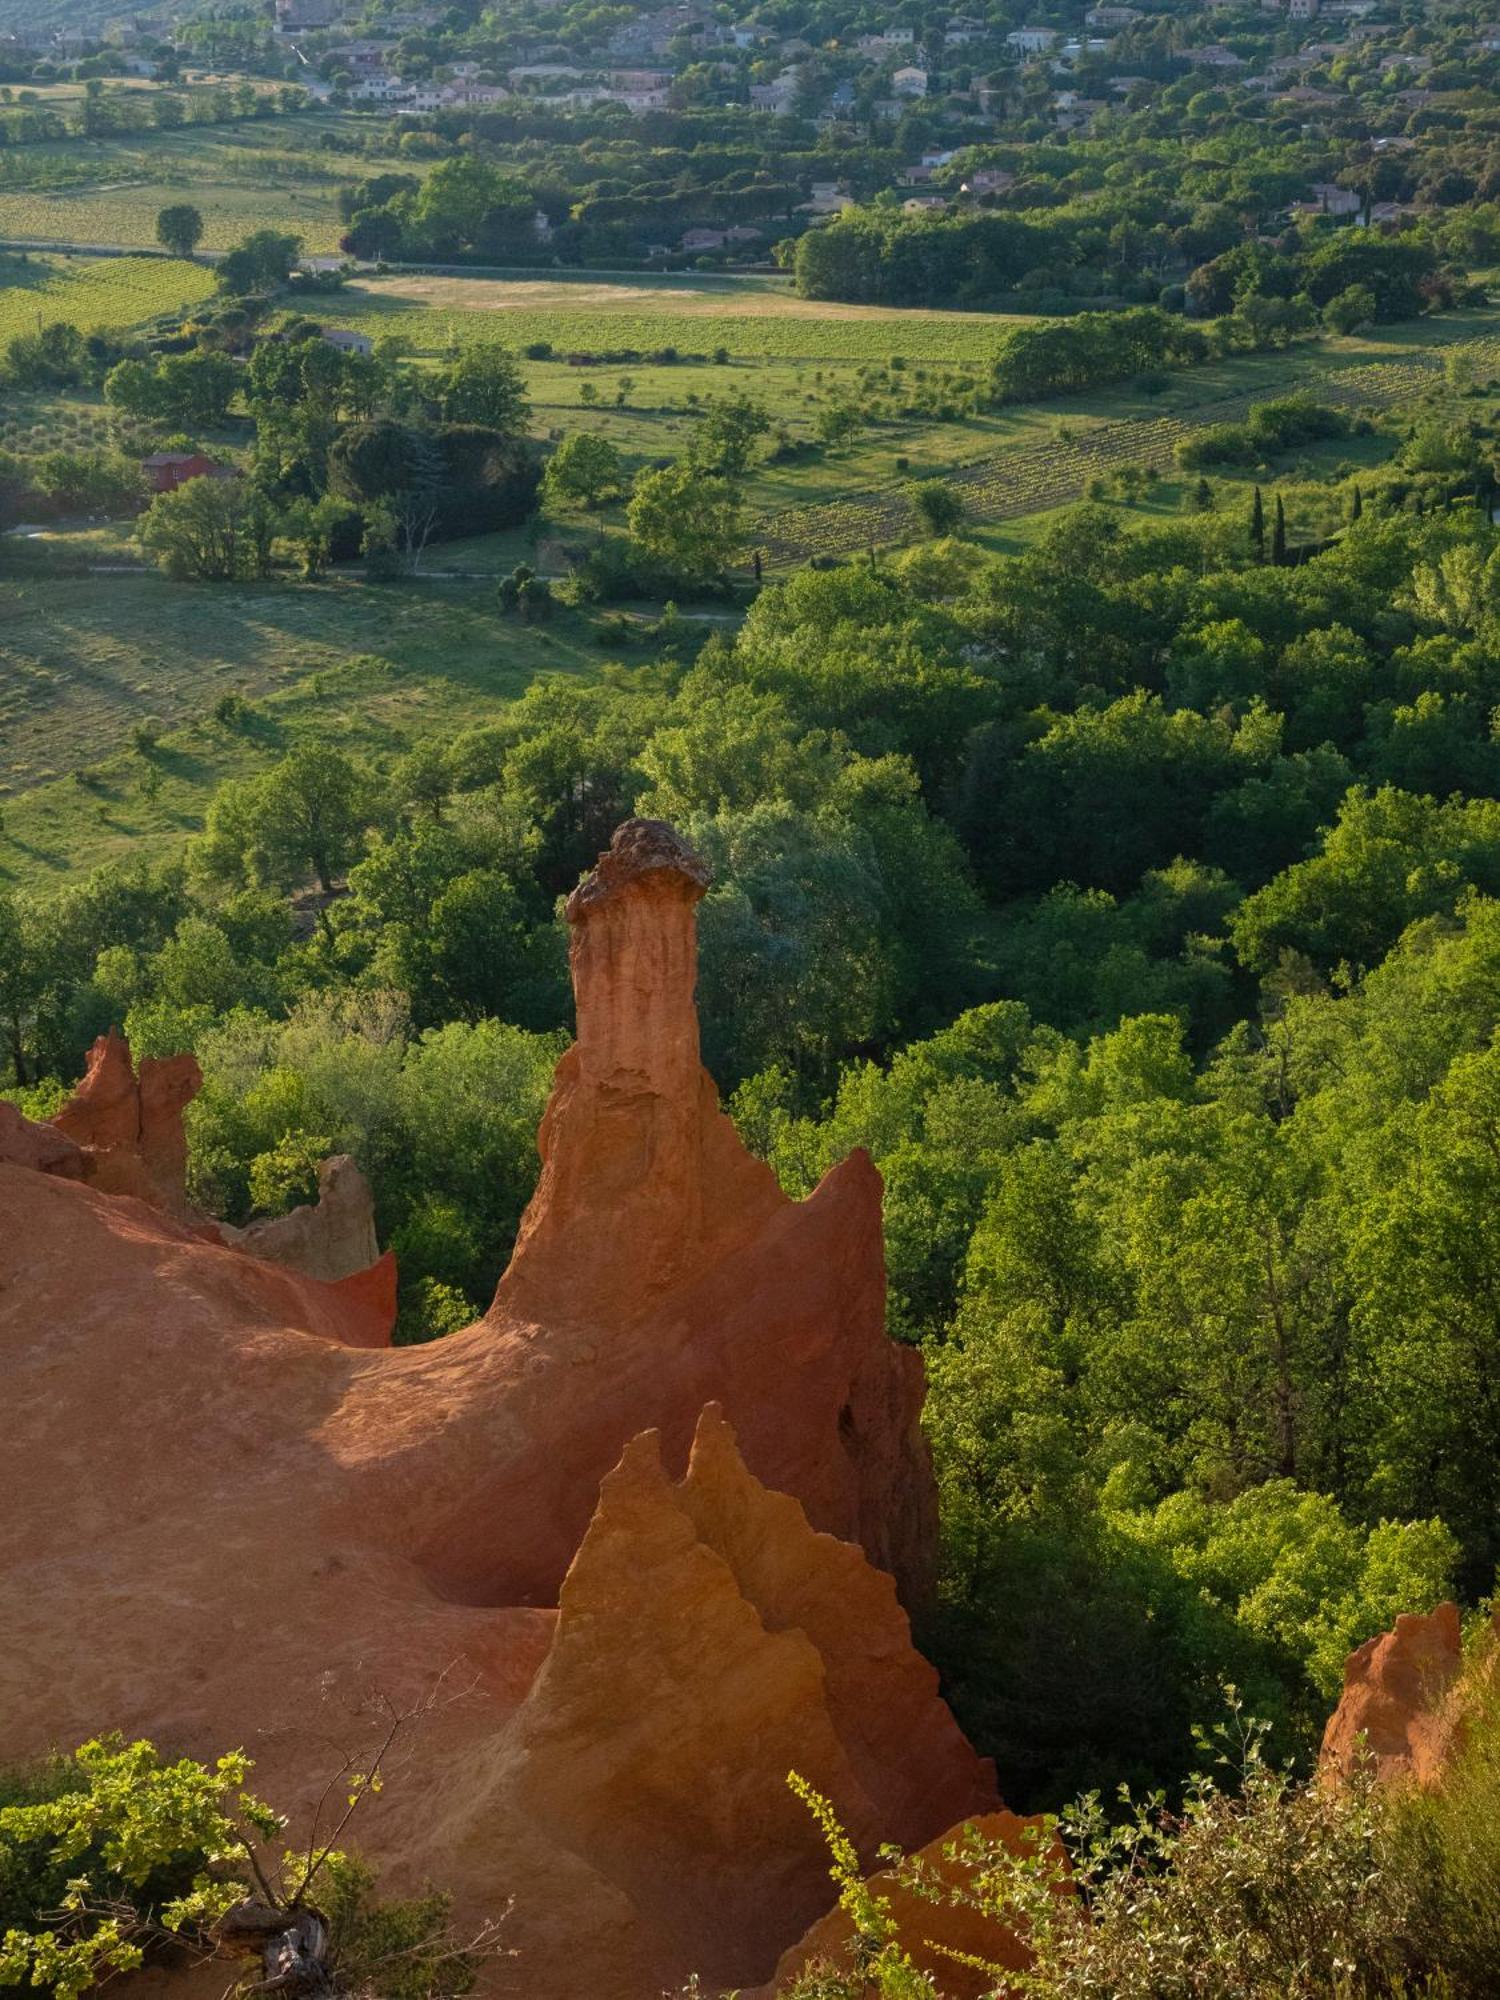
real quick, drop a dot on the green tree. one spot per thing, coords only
(585, 467)
(725, 434)
(262, 263)
(937, 504)
(306, 815)
(484, 386)
(179, 228)
(686, 521)
(211, 530)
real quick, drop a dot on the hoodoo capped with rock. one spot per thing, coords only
(644, 1631)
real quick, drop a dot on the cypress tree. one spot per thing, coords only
(1357, 505)
(1258, 526)
(1278, 534)
(1203, 497)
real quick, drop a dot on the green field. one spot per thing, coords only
(753, 318)
(95, 292)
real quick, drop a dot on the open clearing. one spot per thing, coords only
(87, 658)
(740, 298)
(750, 317)
(263, 173)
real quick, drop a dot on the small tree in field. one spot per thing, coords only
(584, 468)
(938, 506)
(179, 228)
(306, 815)
(688, 522)
(211, 531)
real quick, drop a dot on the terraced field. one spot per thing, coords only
(95, 292)
(1033, 477)
(266, 173)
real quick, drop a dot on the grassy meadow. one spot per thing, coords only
(89, 662)
(97, 663)
(261, 173)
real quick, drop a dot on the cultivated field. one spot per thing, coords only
(1038, 474)
(95, 292)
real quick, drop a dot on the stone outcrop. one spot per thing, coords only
(1407, 1698)
(241, 1514)
(953, 1941)
(668, 1270)
(26, 1143)
(331, 1238)
(128, 1127)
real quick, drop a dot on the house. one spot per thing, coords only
(1489, 37)
(640, 79)
(1111, 17)
(961, 30)
(703, 239)
(1332, 200)
(924, 204)
(842, 98)
(741, 233)
(1213, 56)
(167, 470)
(1030, 41)
(474, 96)
(989, 180)
(1079, 115)
(775, 97)
(917, 176)
(1301, 10)
(1305, 95)
(910, 81)
(828, 198)
(347, 341)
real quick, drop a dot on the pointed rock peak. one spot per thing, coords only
(644, 1181)
(634, 958)
(130, 1127)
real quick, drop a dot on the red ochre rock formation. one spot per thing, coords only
(24, 1143)
(235, 1518)
(129, 1128)
(942, 1938)
(1407, 1696)
(709, 1641)
(333, 1237)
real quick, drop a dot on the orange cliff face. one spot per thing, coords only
(233, 1522)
